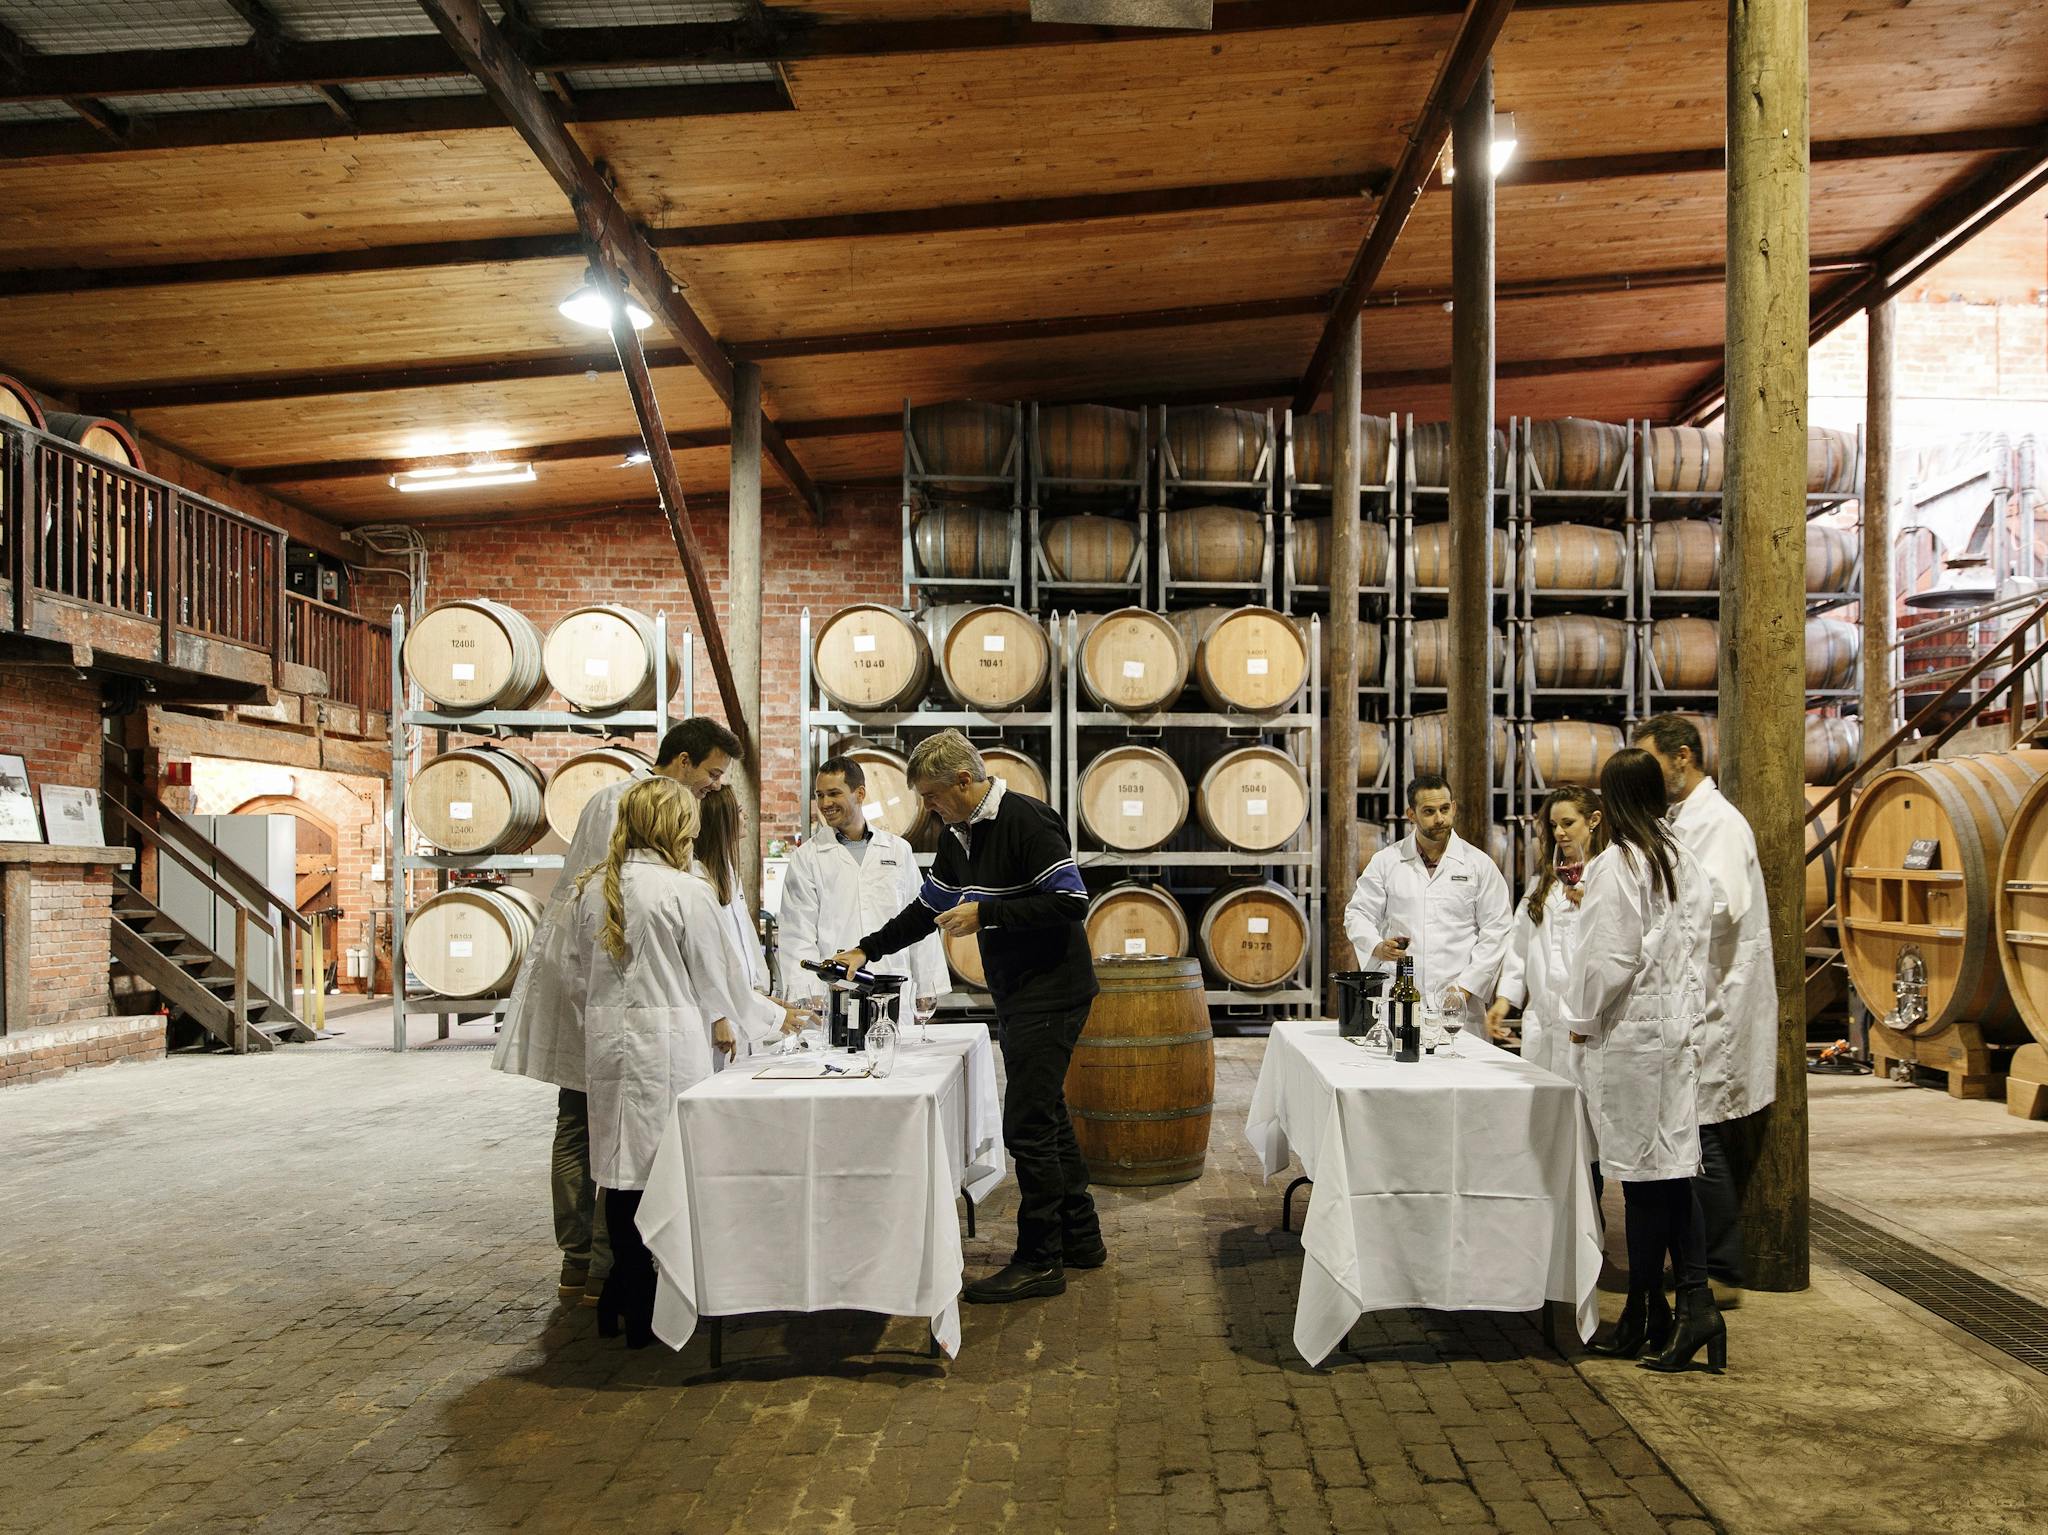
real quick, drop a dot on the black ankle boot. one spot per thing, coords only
(608, 1306)
(1699, 1322)
(1645, 1321)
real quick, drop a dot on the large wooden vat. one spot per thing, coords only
(963, 543)
(2021, 911)
(1142, 1081)
(1566, 557)
(1253, 660)
(1315, 454)
(571, 785)
(1687, 458)
(991, 659)
(1428, 753)
(18, 403)
(1429, 450)
(601, 658)
(1133, 920)
(1100, 551)
(1214, 543)
(962, 442)
(1018, 772)
(1134, 660)
(1830, 461)
(1311, 536)
(1940, 657)
(1687, 652)
(1572, 751)
(1578, 650)
(96, 434)
(1431, 567)
(1429, 655)
(476, 654)
(479, 799)
(872, 658)
(1833, 649)
(471, 940)
(1218, 444)
(1253, 936)
(1254, 798)
(1965, 805)
(1132, 798)
(1096, 443)
(1575, 454)
(1685, 556)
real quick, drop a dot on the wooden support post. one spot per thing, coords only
(1763, 684)
(1340, 741)
(241, 979)
(1878, 701)
(743, 584)
(1470, 691)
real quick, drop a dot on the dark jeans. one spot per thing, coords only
(1054, 1211)
(1720, 1203)
(629, 1288)
(579, 1213)
(1664, 1217)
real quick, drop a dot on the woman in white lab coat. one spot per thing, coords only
(1570, 831)
(721, 825)
(1636, 993)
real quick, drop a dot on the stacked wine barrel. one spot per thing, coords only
(967, 462)
(1089, 466)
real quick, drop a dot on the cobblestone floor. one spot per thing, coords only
(315, 1292)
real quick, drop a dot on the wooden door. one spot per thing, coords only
(318, 893)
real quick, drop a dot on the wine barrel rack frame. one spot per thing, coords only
(927, 488)
(1183, 488)
(1051, 496)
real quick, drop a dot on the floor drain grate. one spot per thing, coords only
(2009, 1322)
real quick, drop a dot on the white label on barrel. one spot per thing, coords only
(1255, 666)
(1256, 924)
(991, 642)
(462, 671)
(458, 948)
(459, 810)
(876, 812)
(1134, 807)
(1254, 807)
(1134, 946)
(863, 642)
(597, 666)
(1134, 668)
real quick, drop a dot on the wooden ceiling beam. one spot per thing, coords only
(1459, 69)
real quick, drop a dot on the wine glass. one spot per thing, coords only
(814, 1010)
(922, 1009)
(1450, 1009)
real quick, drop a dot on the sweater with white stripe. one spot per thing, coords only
(1013, 860)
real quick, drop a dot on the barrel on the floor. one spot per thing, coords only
(1134, 660)
(1218, 444)
(1432, 565)
(991, 658)
(1142, 1081)
(1254, 798)
(1311, 539)
(890, 804)
(2021, 911)
(963, 543)
(872, 658)
(471, 940)
(1965, 806)
(1578, 650)
(1214, 543)
(1017, 771)
(1088, 442)
(970, 439)
(571, 785)
(1315, 453)
(1567, 557)
(478, 800)
(1253, 660)
(1132, 798)
(476, 654)
(1253, 936)
(601, 658)
(1088, 549)
(1576, 454)
(1134, 920)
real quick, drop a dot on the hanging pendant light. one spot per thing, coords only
(589, 306)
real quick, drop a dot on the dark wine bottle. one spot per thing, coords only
(1407, 1006)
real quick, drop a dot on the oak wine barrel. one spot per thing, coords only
(18, 403)
(1429, 450)
(1142, 1081)
(1132, 798)
(1966, 805)
(1820, 872)
(96, 434)
(1833, 745)
(601, 658)
(961, 442)
(1578, 650)
(1830, 461)
(1133, 920)
(1709, 727)
(571, 785)
(1687, 458)
(1832, 557)
(1567, 557)
(1254, 798)
(1428, 751)
(1572, 751)
(1576, 454)
(1430, 567)
(1430, 654)
(1252, 659)
(469, 941)
(1311, 544)
(1372, 654)
(1100, 551)
(1685, 556)
(1687, 652)
(1134, 660)
(1372, 836)
(962, 543)
(2021, 911)
(1833, 649)
(1214, 543)
(890, 803)
(476, 654)
(1315, 453)
(1018, 772)
(1216, 443)
(872, 658)
(963, 958)
(479, 799)
(990, 658)
(1095, 443)
(1253, 936)
(1372, 752)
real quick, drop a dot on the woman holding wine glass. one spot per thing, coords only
(1570, 831)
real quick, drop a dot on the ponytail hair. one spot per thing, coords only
(1632, 789)
(659, 815)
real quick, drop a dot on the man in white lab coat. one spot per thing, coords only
(1435, 898)
(847, 880)
(1739, 1052)
(542, 1036)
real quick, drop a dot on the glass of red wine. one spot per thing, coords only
(1568, 873)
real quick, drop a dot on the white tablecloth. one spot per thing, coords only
(820, 1195)
(1458, 1185)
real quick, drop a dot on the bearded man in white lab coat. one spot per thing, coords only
(1436, 899)
(1739, 1047)
(847, 880)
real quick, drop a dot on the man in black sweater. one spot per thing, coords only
(1005, 872)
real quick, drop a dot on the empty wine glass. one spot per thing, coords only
(880, 1046)
(1450, 1009)
(922, 1009)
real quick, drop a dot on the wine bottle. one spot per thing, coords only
(1407, 1008)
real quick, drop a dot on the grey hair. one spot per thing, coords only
(938, 758)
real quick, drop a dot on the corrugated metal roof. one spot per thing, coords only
(108, 26)
(413, 90)
(215, 101)
(668, 74)
(627, 13)
(315, 21)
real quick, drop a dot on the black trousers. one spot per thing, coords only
(1664, 1217)
(1055, 1212)
(629, 1287)
(1720, 1203)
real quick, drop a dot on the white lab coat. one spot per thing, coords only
(830, 902)
(542, 1035)
(1636, 988)
(744, 978)
(1457, 918)
(1739, 1053)
(1533, 974)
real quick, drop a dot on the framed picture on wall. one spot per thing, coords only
(18, 821)
(72, 816)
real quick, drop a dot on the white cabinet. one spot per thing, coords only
(267, 846)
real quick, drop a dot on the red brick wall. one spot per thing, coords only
(70, 910)
(546, 569)
(51, 1052)
(52, 721)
